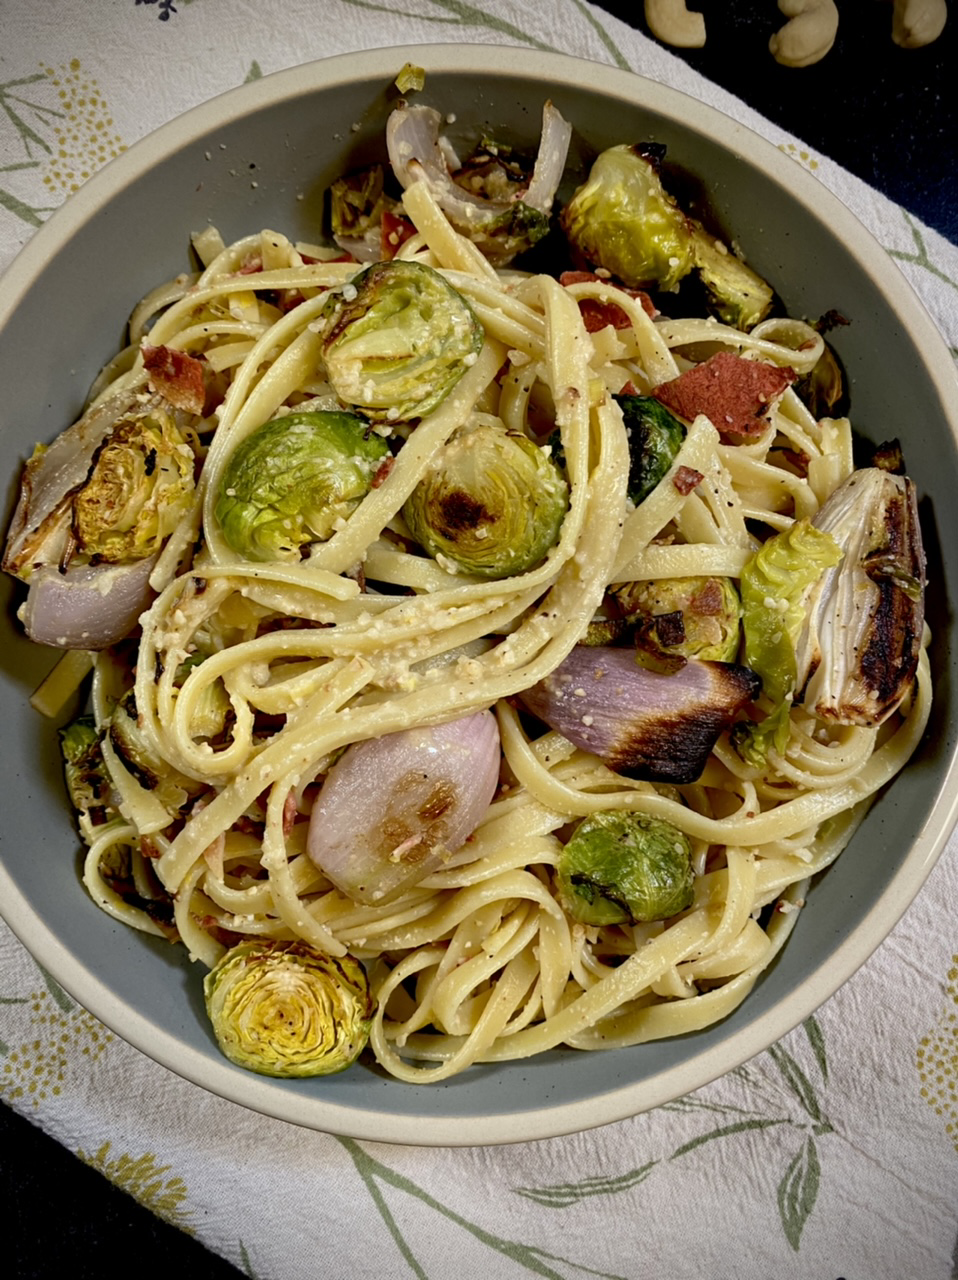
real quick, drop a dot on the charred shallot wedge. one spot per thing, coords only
(660, 728)
(859, 649)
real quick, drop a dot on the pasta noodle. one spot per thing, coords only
(480, 961)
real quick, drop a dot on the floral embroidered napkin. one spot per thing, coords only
(835, 1153)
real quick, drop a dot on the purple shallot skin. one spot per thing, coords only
(658, 728)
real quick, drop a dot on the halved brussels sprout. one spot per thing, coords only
(88, 783)
(736, 294)
(140, 487)
(293, 479)
(691, 617)
(493, 503)
(625, 868)
(624, 220)
(283, 1009)
(398, 338)
(655, 437)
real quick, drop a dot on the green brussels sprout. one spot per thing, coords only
(691, 617)
(775, 585)
(398, 338)
(88, 784)
(293, 479)
(283, 1009)
(624, 220)
(357, 201)
(735, 293)
(493, 503)
(655, 437)
(138, 491)
(625, 868)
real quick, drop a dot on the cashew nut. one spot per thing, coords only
(809, 33)
(670, 22)
(918, 22)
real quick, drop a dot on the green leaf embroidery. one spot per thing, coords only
(603, 35)
(920, 258)
(373, 1172)
(59, 995)
(801, 1086)
(561, 1195)
(255, 72)
(798, 1191)
(817, 1041)
(247, 1265)
(726, 1131)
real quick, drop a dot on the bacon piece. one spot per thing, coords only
(735, 394)
(177, 377)
(597, 314)
(686, 478)
(396, 230)
(383, 471)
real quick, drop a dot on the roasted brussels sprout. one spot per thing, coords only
(88, 784)
(624, 220)
(655, 437)
(735, 293)
(138, 491)
(397, 339)
(283, 1009)
(625, 868)
(357, 202)
(775, 586)
(293, 479)
(691, 617)
(493, 504)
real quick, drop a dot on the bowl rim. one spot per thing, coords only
(257, 1093)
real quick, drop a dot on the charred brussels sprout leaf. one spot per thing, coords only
(283, 1009)
(692, 617)
(357, 202)
(493, 504)
(140, 487)
(624, 220)
(88, 784)
(625, 868)
(736, 294)
(655, 437)
(398, 338)
(292, 479)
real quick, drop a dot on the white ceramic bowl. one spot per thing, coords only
(262, 156)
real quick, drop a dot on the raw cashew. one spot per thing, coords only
(918, 22)
(809, 33)
(670, 22)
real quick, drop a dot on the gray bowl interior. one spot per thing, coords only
(263, 157)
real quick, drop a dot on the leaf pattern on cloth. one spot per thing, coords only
(795, 1106)
(921, 258)
(60, 123)
(143, 1179)
(457, 13)
(35, 1062)
(377, 1175)
(936, 1060)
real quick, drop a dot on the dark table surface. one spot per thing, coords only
(882, 112)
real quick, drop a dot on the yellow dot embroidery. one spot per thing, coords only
(85, 137)
(937, 1061)
(37, 1068)
(800, 154)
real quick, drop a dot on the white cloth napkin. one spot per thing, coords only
(833, 1154)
